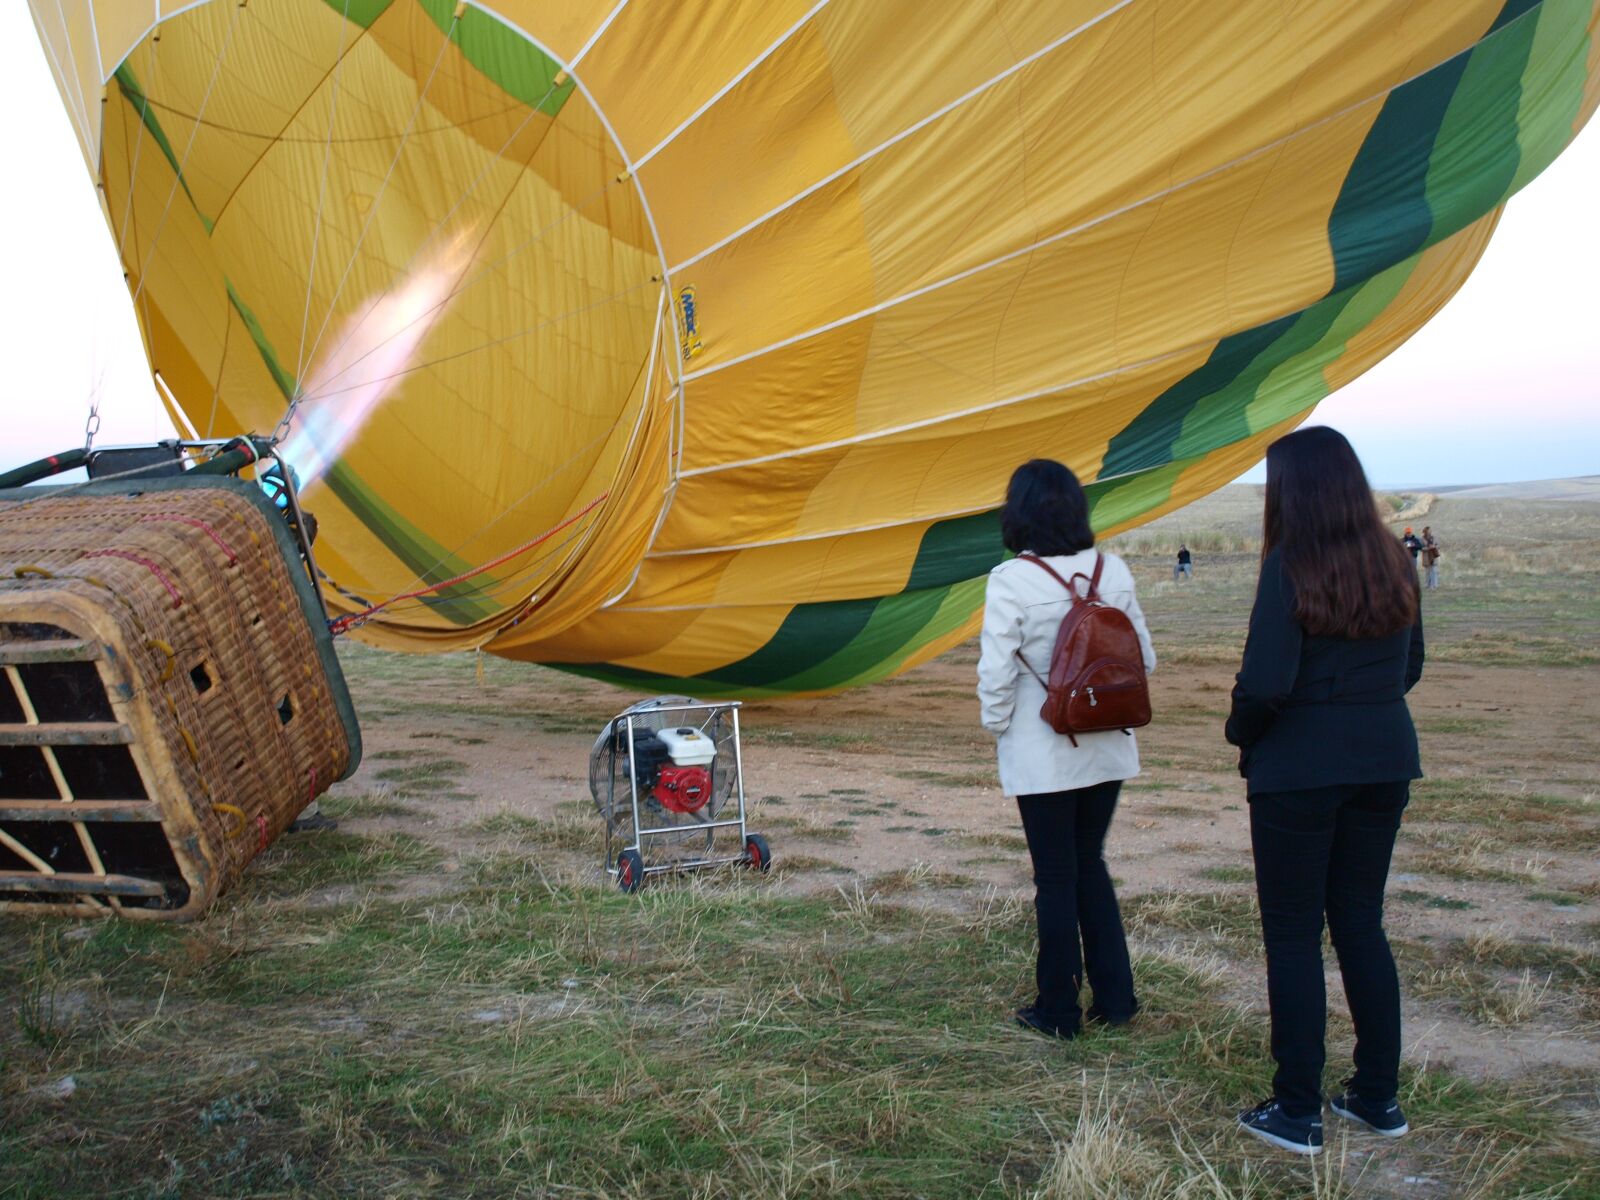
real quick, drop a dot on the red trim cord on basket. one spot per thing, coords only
(350, 620)
(197, 524)
(153, 568)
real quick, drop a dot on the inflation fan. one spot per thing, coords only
(667, 774)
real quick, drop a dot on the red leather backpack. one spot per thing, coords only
(1097, 680)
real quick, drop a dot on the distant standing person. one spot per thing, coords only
(1184, 568)
(1430, 556)
(1065, 791)
(1412, 543)
(1329, 751)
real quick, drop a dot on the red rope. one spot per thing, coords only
(177, 597)
(344, 623)
(197, 524)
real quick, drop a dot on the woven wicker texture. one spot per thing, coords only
(198, 636)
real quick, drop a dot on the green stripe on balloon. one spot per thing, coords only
(504, 56)
(1475, 155)
(461, 604)
(1552, 86)
(128, 84)
(362, 12)
(1419, 154)
(1147, 440)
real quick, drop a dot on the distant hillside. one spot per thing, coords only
(1580, 487)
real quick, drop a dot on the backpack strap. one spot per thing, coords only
(1094, 579)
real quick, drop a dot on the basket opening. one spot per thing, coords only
(201, 678)
(66, 691)
(285, 709)
(141, 849)
(101, 772)
(33, 631)
(10, 707)
(24, 774)
(56, 842)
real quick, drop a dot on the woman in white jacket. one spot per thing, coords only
(1066, 793)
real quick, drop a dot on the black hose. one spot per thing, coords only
(55, 464)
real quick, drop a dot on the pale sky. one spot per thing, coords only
(1503, 385)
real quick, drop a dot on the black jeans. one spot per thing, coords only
(1327, 850)
(1066, 838)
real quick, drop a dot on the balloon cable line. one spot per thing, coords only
(469, 593)
(527, 331)
(345, 623)
(488, 269)
(543, 483)
(533, 111)
(372, 214)
(183, 162)
(183, 114)
(133, 169)
(468, 283)
(322, 192)
(576, 456)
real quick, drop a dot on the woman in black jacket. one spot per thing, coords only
(1326, 742)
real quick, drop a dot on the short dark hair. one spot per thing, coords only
(1046, 511)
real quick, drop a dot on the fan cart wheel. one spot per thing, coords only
(758, 857)
(630, 870)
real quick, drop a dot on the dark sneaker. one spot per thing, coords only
(1032, 1018)
(1098, 1015)
(313, 822)
(1268, 1121)
(1381, 1117)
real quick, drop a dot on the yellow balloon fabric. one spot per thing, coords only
(713, 330)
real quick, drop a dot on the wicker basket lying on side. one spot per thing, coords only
(170, 700)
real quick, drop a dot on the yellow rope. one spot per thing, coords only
(232, 810)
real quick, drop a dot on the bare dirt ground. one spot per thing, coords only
(1494, 901)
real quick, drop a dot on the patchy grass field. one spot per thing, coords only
(447, 997)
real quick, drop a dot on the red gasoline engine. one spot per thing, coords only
(673, 767)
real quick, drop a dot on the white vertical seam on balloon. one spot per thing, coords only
(668, 493)
(650, 369)
(1019, 65)
(71, 90)
(577, 80)
(990, 406)
(638, 424)
(177, 175)
(628, 165)
(596, 35)
(655, 233)
(171, 403)
(159, 19)
(734, 82)
(94, 36)
(77, 76)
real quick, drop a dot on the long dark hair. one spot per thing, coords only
(1045, 511)
(1352, 578)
